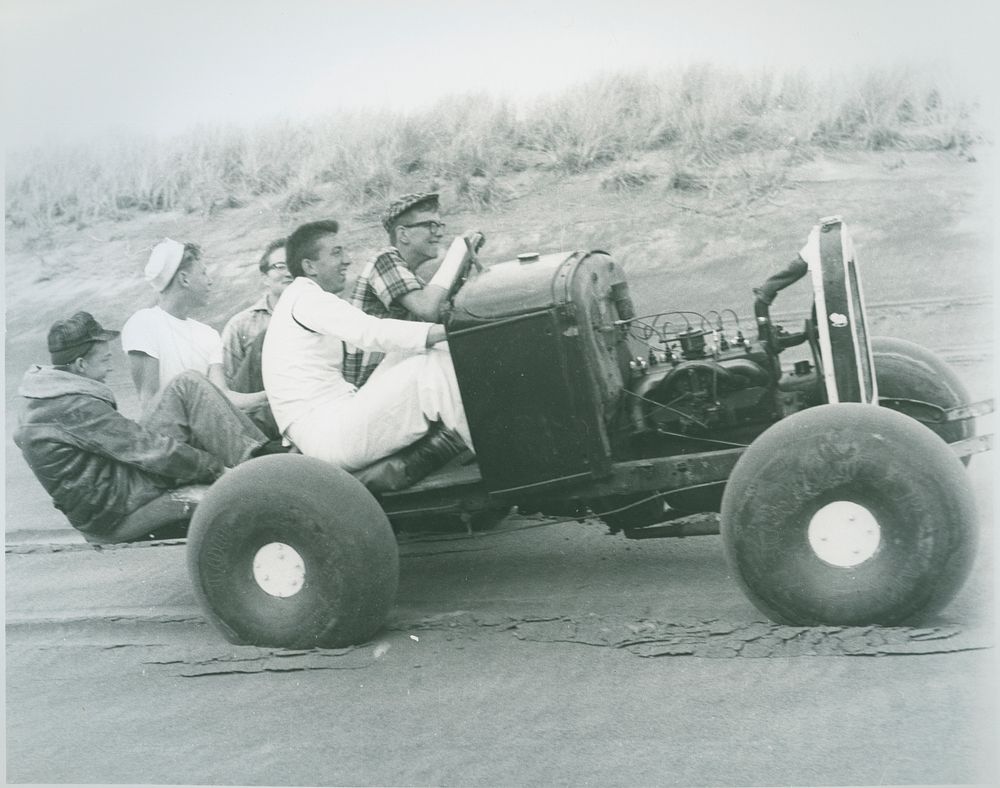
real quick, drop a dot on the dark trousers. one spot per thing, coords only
(190, 409)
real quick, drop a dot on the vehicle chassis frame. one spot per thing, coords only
(650, 475)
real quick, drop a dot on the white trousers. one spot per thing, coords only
(392, 410)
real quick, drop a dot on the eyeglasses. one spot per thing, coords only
(277, 267)
(431, 224)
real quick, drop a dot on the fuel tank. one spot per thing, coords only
(542, 365)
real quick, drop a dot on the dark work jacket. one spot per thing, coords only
(97, 465)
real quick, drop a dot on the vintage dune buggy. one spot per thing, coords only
(840, 479)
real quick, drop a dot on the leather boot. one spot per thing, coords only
(408, 466)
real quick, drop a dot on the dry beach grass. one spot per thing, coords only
(704, 116)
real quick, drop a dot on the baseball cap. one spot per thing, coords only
(401, 205)
(163, 262)
(69, 339)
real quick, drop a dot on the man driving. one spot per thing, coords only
(389, 285)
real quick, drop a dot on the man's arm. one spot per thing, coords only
(425, 304)
(328, 314)
(435, 335)
(789, 275)
(808, 257)
(394, 284)
(145, 372)
(242, 401)
(106, 432)
(233, 351)
(215, 373)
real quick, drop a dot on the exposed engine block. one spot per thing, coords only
(699, 374)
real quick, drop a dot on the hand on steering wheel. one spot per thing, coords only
(473, 243)
(458, 260)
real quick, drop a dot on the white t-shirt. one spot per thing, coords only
(178, 345)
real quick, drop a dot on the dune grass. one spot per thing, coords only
(705, 116)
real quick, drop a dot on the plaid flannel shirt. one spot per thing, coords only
(376, 292)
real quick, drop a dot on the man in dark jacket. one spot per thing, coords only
(109, 475)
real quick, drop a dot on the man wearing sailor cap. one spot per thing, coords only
(164, 341)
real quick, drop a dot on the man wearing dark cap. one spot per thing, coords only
(109, 475)
(390, 287)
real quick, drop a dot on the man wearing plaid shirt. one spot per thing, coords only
(389, 286)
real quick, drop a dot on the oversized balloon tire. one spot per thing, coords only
(849, 515)
(907, 371)
(291, 551)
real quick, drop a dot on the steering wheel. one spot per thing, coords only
(470, 261)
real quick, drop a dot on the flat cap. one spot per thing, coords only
(71, 338)
(402, 204)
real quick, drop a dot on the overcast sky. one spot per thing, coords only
(73, 69)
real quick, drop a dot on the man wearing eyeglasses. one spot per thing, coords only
(389, 286)
(243, 335)
(244, 327)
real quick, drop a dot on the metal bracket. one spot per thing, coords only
(974, 445)
(929, 413)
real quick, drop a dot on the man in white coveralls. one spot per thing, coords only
(314, 406)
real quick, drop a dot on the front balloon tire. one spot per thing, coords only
(849, 515)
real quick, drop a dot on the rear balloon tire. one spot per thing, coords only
(291, 551)
(906, 370)
(849, 515)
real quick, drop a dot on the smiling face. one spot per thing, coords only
(96, 363)
(328, 263)
(418, 238)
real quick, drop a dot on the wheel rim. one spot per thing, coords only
(844, 534)
(279, 570)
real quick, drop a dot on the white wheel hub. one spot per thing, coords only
(844, 533)
(279, 570)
